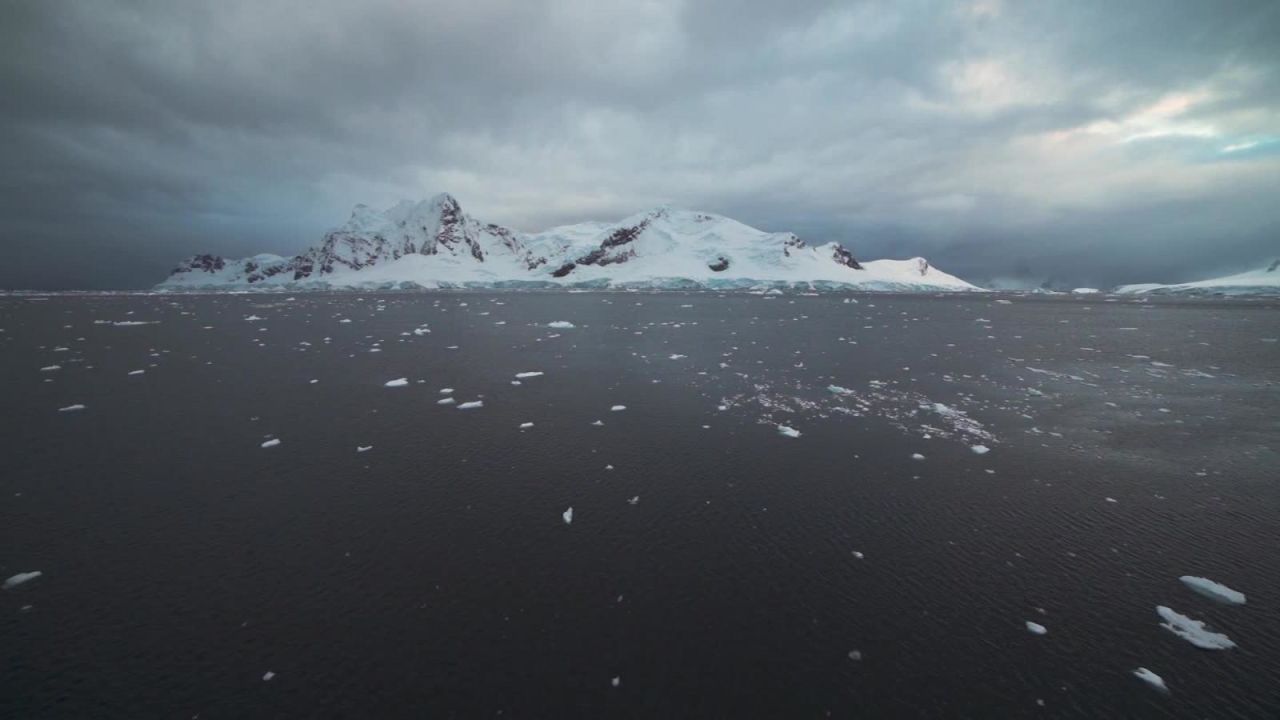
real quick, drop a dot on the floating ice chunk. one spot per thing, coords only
(676, 356)
(251, 318)
(136, 372)
(345, 320)
(1004, 302)
(788, 431)
(446, 391)
(598, 423)
(398, 382)
(568, 516)
(50, 368)
(982, 320)
(1213, 590)
(446, 401)
(980, 449)
(71, 408)
(839, 390)
(271, 443)
(617, 408)
(634, 500)
(855, 655)
(131, 323)
(525, 426)
(1151, 679)
(917, 456)
(533, 373)
(857, 554)
(616, 681)
(1036, 628)
(471, 405)
(20, 578)
(561, 325)
(363, 448)
(267, 676)
(1193, 631)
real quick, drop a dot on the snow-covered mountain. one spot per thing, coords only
(433, 244)
(1263, 281)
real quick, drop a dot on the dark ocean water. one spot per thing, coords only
(433, 575)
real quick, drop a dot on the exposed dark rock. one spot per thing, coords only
(844, 257)
(720, 265)
(563, 270)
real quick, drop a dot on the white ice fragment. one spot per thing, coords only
(20, 578)
(917, 456)
(471, 405)
(855, 655)
(617, 408)
(598, 423)
(529, 374)
(136, 372)
(1151, 679)
(446, 391)
(251, 318)
(50, 368)
(271, 443)
(267, 676)
(1036, 628)
(561, 325)
(788, 431)
(568, 516)
(980, 449)
(676, 357)
(446, 401)
(363, 448)
(634, 500)
(616, 681)
(71, 408)
(398, 382)
(1193, 631)
(857, 554)
(525, 426)
(1213, 590)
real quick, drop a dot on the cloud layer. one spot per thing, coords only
(1094, 142)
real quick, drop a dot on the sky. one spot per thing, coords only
(1088, 142)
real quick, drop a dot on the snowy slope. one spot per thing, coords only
(434, 244)
(1263, 281)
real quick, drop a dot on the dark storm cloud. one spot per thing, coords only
(1094, 142)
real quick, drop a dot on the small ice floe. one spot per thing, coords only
(532, 373)
(363, 448)
(788, 431)
(21, 578)
(676, 356)
(266, 676)
(446, 391)
(271, 443)
(598, 423)
(136, 372)
(345, 320)
(1036, 628)
(634, 500)
(471, 405)
(131, 323)
(917, 456)
(253, 318)
(1004, 302)
(857, 554)
(1193, 631)
(981, 320)
(616, 681)
(980, 449)
(1213, 590)
(1110, 499)
(50, 368)
(617, 408)
(446, 401)
(855, 655)
(71, 408)
(398, 382)
(839, 390)
(525, 426)
(568, 516)
(1151, 679)
(561, 325)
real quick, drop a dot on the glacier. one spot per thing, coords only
(434, 244)
(1259, 281)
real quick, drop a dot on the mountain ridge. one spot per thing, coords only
(433, 243)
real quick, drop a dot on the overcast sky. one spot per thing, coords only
(1095, 142)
